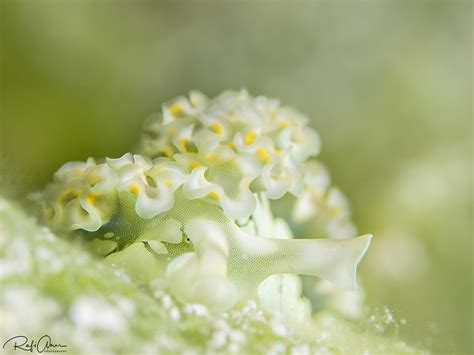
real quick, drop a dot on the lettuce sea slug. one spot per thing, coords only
(192, 206)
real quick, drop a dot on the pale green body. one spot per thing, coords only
(195, 245)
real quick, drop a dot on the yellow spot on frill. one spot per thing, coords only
(91, 198)
(213, 195)
(249, 137)
(134, 189)
(284, 123)
(336, 211)
(93, 180)
(167, 152)
(263, 155)
(183, 144)
(217, 128)
(176, 110)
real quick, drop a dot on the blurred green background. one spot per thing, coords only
(387, 84)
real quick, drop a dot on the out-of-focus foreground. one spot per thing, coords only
(388, 85)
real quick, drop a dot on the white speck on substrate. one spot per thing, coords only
(126, 306)
(301, 350)
(175, 314)
(277, 348)
(278, 329)
(221, 324)
(250, 306)
(322, 337)
(234, 348)
(18, 261)
(91, 313)
(18, 302)
(196, 309)
(218, 340)
(237, 336)
(166, 301)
